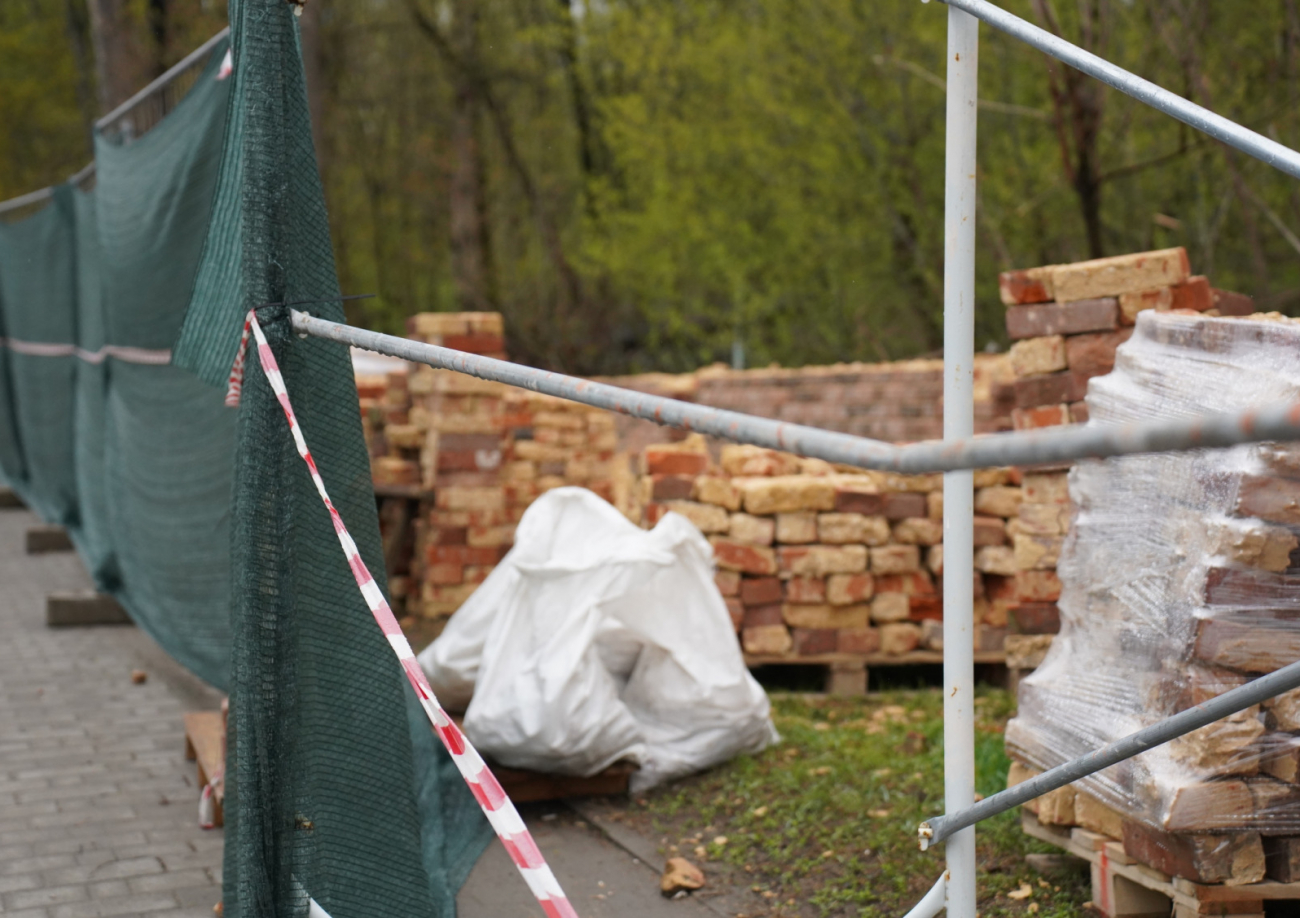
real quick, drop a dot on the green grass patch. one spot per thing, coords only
(824, 824)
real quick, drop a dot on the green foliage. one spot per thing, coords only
(825, 823)
(659, 179)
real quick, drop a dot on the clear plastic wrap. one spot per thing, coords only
(1179, 584)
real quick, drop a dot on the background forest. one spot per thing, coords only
(660, 184)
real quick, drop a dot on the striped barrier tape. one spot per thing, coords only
(501, 813)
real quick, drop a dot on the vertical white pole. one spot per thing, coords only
(958, 421)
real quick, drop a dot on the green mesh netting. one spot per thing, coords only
(340, 792)
(135, 458)
(336, 788)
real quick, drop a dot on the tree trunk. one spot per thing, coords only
(470, 237)
(119, 65)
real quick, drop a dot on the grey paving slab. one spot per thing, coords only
(98, 807)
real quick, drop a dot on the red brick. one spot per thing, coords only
(653, 513)
(854, 502)
(468, 460)
(763, 615)
(1094, 355)
(727, 582)
(857, 640)
(1194, 293)
(1052, 389)
(1036, 618)
(445, 573)
(759, 591)
(454, 535)
(1034, 418)
(750, 559)
(809, 641)
(1079, 412)
(990, 530)
(925, 606)
(1232, 304)
(736, 611)
(998, 587)
(459, 441)
(1023, 287)
(675, 463)
(671, 487)
(902, 506)
(805, 589)
(1041, 320)
(913, 584)
(460, 554)
(475, 344)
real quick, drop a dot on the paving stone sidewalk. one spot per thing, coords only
(98, 807)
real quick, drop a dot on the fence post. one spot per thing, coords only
(959, 423)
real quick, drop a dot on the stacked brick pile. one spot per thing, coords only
(393, 442)
(1181, 581)
(1066, 322)
(816, 560)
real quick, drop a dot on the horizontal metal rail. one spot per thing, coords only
(170, 74)
(1275, 683)
(1218, 127)
(117, 114)
(989, 451)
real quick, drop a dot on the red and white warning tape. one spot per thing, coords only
(496, 805)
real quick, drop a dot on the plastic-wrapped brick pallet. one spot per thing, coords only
(1178, 585)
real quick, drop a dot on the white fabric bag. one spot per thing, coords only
(595, 641)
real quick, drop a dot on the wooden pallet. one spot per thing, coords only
(1123, 888)
(205, 744)
(846, 673)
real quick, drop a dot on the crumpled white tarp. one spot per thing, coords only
(595, 641)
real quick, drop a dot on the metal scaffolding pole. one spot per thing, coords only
(959, 424)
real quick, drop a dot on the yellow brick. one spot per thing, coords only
(1035, 356)
(710, 489)
(852, 528)
(1120, 274)
(824, 615)
(786, 493)
(707, 518)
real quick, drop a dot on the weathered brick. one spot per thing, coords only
(760, 591)
(848, 589)
(1046, 487)
(462, 554)
(852, 528)
(1029, 285)
(671, 487)
(728, 582)
(737, 556)
(796, 528)
(895, 559)
(1195, 294)
(996, 559)
(710, 489)
(766, 639)
(1036, 552)
(808, 589)
(757, 530)
(1035, 418)
(1094, 355)
(998, 500)
(665, 460)
(821, 560)
(706, 517)
(858, 640)
(920, 608)
(1227, 303)
(847, 501)
(1120, 274)
(1044, 519)
(899, 638)
(1038, 586)
(934, 559)
(736, 609)
(1053, 389)
(902, 506)
(1036, 618)
(1079, 412)
(810, 641)
(746, 460)
(757, 616)
(990, 530)
(824, 615)
(1035, 356)
(1161, 299)
(911, 582)
(1042, 320)
(784, 494)
(918, 531)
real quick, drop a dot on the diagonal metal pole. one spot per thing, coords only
(959, 424)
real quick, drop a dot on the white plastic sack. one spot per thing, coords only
(595, 641)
